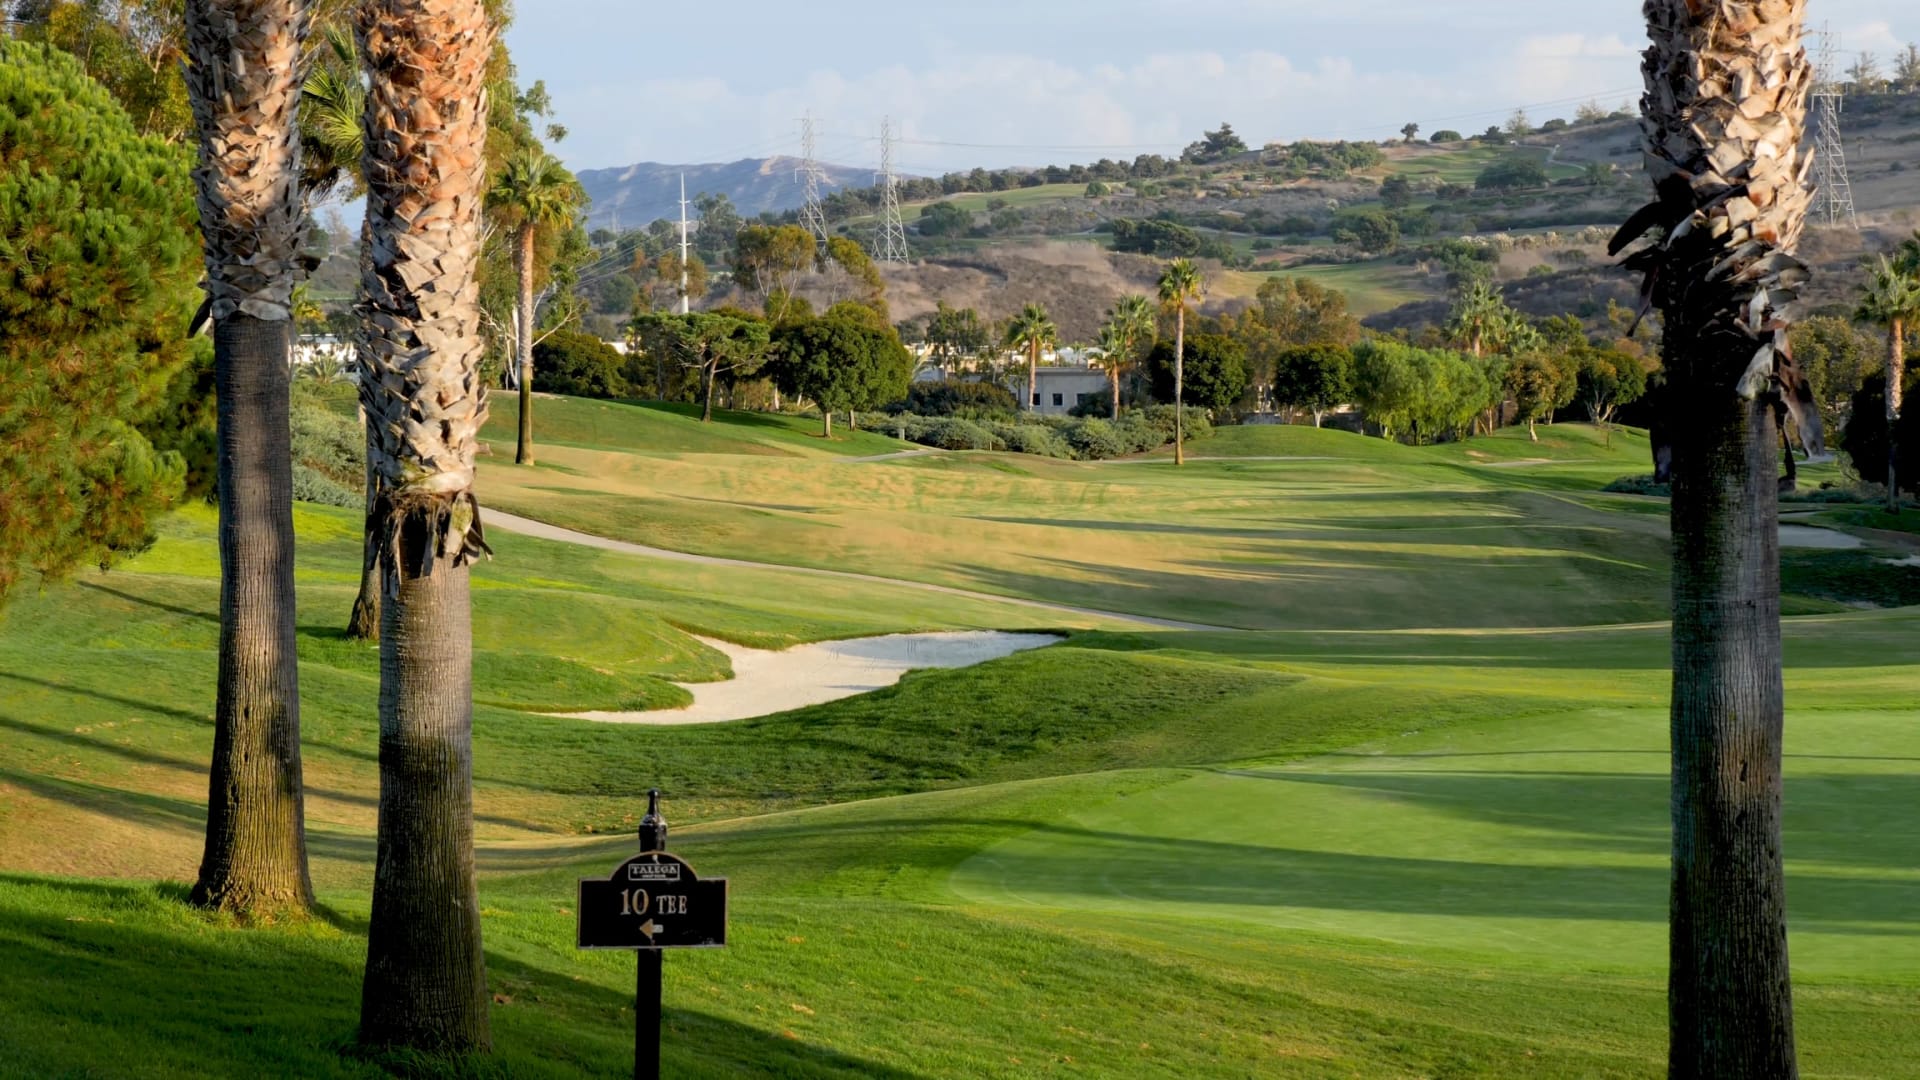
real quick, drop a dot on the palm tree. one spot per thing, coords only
(1128, 325)
(244, 85)
(1891, 298)
(425, 171)
(333, 103)
(1031, 331)
(1180, 284)
(534, 192)
(1724, 113)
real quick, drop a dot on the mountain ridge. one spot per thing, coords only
(632, 196)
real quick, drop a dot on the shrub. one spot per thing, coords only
(1096, 440)
(1639, 485)
(955, 397)
(1160, 419)
(329, 451)
(1040, 440)
(949, 433)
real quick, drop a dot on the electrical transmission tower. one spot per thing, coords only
(1833, 197)
(892, 245)
(813, 217)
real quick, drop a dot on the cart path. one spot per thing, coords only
(513, 523)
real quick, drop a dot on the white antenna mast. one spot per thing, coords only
(686, 303)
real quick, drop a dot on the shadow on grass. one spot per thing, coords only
(101, 979)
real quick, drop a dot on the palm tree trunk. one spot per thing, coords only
(364, 623)
(523, 266)
(1731, 1003)
(1114, 371)
(1727, 88)
(255, 859)
(1033, 375)
(1896, 386)
(1180, 388)
(243, 82)
(426, 983)
(426, 979)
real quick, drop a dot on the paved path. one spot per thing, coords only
(497, 519)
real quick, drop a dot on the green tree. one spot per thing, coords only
(1369, 230)
(535, 192)
(245, 102)
(1317, 378)
(1891, 298)
(841, 362)
(1215, 146)
(1180, 287)
(945, 219)
(1031, 332)
(768, 260)
(99, 260)
(1836, 358)
(1723, 96)
(1608, 379)
(1538, 384)
(1396, 192)
(1512, 173)
(1213, 372)
(132, 48)
(1385, 385)
(1410, 132)
(716, 346)
(426, 168)
(581, 365)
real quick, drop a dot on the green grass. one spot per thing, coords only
(977, 202)
(1372, 287)
(1412, 826)
(1464, 165)
(672, 428)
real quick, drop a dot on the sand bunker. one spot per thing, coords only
(766, 682)
(1807, 536)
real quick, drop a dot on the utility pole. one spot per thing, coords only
(686, 303)
(1833, 197)
(892, 247)
(813, 217)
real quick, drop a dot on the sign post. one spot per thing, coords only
(652, 902)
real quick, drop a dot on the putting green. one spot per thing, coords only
(1543, 837)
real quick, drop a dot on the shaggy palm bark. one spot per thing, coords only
(244, 85)
(523, 266)
(1727, 87)
(425, 169)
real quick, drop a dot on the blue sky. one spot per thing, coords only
(1006, 82)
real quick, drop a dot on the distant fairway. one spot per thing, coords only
(1541, 841)
(1410, 823)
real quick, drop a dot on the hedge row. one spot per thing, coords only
(1072, 438)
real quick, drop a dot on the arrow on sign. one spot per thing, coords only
(650, 928)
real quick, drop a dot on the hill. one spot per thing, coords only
(633, 196)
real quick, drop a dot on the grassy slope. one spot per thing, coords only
(975, 917)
